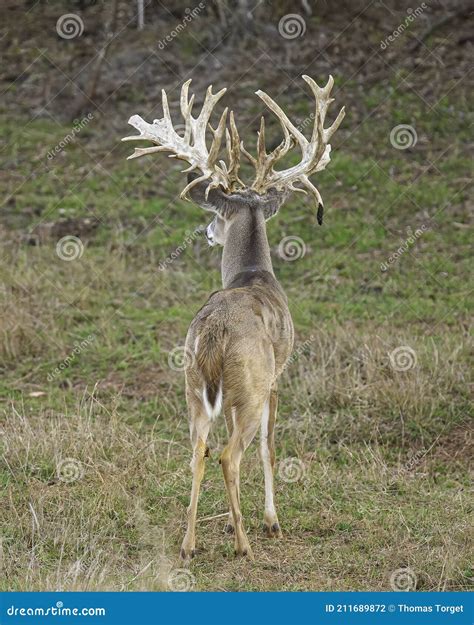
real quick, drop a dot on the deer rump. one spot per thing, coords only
(234, 343)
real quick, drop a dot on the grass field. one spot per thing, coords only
(374, 445)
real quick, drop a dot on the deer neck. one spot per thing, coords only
(246, 248)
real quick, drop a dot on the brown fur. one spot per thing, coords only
(244, 336)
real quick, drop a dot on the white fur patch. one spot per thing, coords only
(267, 468)
(212, 411)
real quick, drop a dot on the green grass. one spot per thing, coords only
(360, 509)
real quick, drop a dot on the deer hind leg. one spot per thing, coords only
(242, 435)
(267, 451)
(199, 431)
(229, 413)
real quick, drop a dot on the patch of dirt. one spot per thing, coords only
(81, 227)
(457, 446)
(145, 383)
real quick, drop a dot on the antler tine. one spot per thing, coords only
(142, 151)
(264, 162)
(186, 108)
(321, 135)
(321, 97)
(233, 154)
(191, 148)
(218, 136)
(315, 152)
(202, 121)
(164, 104)
(287, 126)
(328, 132)
(261, 147)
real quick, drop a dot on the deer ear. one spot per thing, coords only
(272, 201)
(217, 201)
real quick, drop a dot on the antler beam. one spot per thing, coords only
(315, 152)
(191, 147)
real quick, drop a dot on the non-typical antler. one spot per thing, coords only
(192, 147)
(315, 151)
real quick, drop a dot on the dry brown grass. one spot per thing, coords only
(383, 456)
(378, 490)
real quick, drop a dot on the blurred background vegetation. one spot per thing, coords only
(385, 452)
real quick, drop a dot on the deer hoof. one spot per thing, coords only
(273, 531)
(187, 554)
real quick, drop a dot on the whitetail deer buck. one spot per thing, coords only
(239, 342)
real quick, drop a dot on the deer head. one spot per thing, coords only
(215, 184)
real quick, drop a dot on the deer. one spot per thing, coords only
(239, 342)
